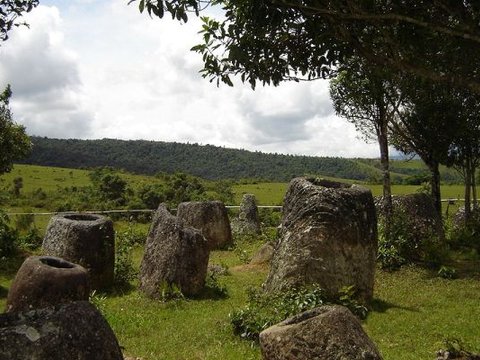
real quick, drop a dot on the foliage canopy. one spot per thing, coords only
(274, 40)
(14, 142)
(10, 11)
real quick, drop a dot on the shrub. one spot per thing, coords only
(170, 292)
(24, 221)
(403, 246)
(269, 217)
(266, 309)
(32, 240)
(98, 300)
(465, 235)
(213, 286)
(8, 236)
(447, 272)
(125, 272)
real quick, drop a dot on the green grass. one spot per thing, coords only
(413, 312)
(192, 329)
(44, 177)
(265, 193)
(51, 178)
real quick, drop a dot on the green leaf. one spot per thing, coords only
(141, 6)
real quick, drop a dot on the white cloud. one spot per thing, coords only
(100, 69)
(44, 77)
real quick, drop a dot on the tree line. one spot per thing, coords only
(205, 161)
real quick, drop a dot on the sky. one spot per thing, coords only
(92, 69)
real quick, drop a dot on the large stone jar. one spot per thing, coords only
(85, 239)
(211, 218)
(328, 237)
(327, 332)
(248, 220)
(175, 255)
(75, 330)
(44, 281)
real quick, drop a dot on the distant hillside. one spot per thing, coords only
(210, 162)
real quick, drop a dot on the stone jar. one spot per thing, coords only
(248, 220)
(44, 281)
(327, 332)
(73, 330)
(328, 237)
(211, 218)
(85, 239)
(175, 255)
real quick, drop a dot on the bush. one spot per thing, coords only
(8, 236)
(269, 217)
(266, 309)
(402, 246)
(24, 221)
(32, 240)
(465, 235)
(125, 272)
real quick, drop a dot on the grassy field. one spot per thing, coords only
(412, 313)
(405, 324)
(51, 178)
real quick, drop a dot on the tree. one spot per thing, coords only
(10, 11)
(428, 125)
(368, 98)
(464, 154)
(151, 195)
(274, 40)
(109, 185)
(14, 142)
(181, 187)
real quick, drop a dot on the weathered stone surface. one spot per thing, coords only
(263, 255)
(44, 281)
(211, 218)
(248, 222)
(85, 239)
(328, 237)
(327, 332)
(67, 331)
(174, 254)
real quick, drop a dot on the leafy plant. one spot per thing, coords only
(30, 241)
(170, 291)
(8, 236)
(402, 246)
(447, 272)
(346, 297)
(125, 272)
(456, 349)
(266, 309)
(99, 300)
(24, 221)
(214, 287)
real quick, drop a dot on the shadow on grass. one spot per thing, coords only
(381, 306)
(3, 292)
(212, 293)
(119, 290)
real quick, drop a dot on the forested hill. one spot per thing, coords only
(210, 162)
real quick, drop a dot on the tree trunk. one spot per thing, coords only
(382, 134)
(468, 186)
(435, 184)
(474, 189)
